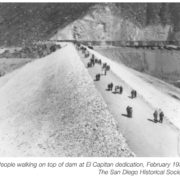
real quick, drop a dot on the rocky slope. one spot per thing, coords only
(26, 22)
(128, 22)
(50, 107)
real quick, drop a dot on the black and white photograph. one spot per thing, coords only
(89, 79)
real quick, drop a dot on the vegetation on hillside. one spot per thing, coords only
(32, 51)
(24, 22)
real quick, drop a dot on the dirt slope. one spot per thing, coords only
(120, 21)
(164, 65)
(50, 107)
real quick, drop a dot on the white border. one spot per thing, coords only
(74, 173)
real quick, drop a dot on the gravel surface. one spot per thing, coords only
(50, 107)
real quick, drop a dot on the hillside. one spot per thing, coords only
(125, 22)
(24, 22)
(158, 63)
(27, 22)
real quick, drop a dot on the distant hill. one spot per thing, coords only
(35, 21)
(24, 22)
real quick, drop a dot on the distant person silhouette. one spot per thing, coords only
(121, 89)
(135, 93)
(130, 112)
(155, 116)
(111, 86)
(161, 115)
(127, 109)
(132, 94)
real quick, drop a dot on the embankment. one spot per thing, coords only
(164, 65)
(50, 107)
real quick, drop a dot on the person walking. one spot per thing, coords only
(99, 76)
(93, 62)
(135, 93)
(155, 116)
(92, 57)
(109, 87)
(116, 87)
(130, 112)
(132, 94)
(102, 71)
(158, 114)
(127, 109)
(96, 77)
(161, 115)
(121, 89)
(112, 86)
(105, 71)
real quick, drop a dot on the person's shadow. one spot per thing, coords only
(124, 115)
(152, 120)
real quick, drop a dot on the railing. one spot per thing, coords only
(137, 44)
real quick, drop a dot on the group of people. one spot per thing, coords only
(104, 71)
(98, 61)
(120, 88)
(86, 54)
(110, 86)
(93, 61)
(160, 114)
(105, 68)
